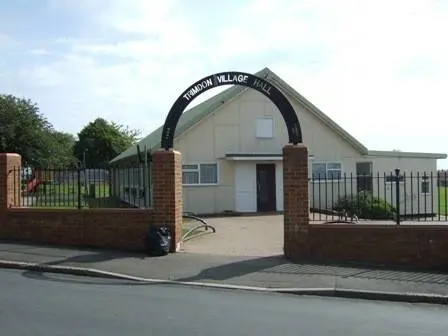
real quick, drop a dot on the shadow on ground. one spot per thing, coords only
(96, 256)
(66, 254)
(237, 269)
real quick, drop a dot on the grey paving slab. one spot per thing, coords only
(299, 269)
(406, 287)
(404, 276)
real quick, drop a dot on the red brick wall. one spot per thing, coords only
(423, 246)
(111, 228)
(104, 228)
(167, 189)
(417, 246)
(10, 165)
(295, 198)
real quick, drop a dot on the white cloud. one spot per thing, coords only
(378, 68)
(143, 17)
(40, 52)
(4, 39)
(361, 83)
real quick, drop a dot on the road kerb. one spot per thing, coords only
(324, 292)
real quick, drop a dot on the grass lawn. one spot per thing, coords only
(63, 189)
(69, 195)
(443, 200)
(66, 195)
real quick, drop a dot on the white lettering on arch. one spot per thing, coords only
(198, 88)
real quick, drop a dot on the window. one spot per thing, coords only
(392, 178)
(197, 174)
(319, 170)
(334, 171)
(208, 173)
(190, 174)
(425, 185)
(265, 127)
(327, 171)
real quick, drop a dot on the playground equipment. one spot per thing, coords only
(33, 185)
(38, 177)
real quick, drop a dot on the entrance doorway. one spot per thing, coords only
(266, 193)
(364, 176)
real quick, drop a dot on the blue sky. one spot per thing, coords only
(378, 68)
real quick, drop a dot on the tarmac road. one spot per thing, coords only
(48, 304)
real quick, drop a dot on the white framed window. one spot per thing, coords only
(190, 174)
(200, 174)
(264, 127)
(424, 185)
(392, 178)
(326, 171)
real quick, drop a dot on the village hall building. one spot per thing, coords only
(231, 147)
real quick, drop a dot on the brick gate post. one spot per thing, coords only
(296, 201)
(10, 188)
(167, 192)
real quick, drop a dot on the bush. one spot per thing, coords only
(366, 206)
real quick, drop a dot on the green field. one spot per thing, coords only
(443, 200)
(68, 195)
(63, 189)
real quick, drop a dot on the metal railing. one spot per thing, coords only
(394, 197)
(85, 188)
(202, 224)
(398, 196)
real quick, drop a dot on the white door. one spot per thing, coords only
(279, 185)
(245, 187)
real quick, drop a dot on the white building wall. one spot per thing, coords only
(232, 129)
(412, 198)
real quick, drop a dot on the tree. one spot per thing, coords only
(100, 141)
(60, 153)
(24, 130)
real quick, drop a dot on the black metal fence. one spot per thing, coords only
(85, 188)
(442, 178)
(397, 197)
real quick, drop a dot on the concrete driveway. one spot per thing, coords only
(254, 236)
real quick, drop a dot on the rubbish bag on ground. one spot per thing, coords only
(158, 241)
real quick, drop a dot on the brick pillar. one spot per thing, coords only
(167, 192)
(10, 189)
(296, 201)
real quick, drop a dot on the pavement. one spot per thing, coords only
(244, 253)
(265, 273)
(58, 304)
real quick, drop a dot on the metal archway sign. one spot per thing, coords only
(231, 78)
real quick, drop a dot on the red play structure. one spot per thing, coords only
(33, 185)
(37, 178)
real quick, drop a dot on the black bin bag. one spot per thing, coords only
(158, 241)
